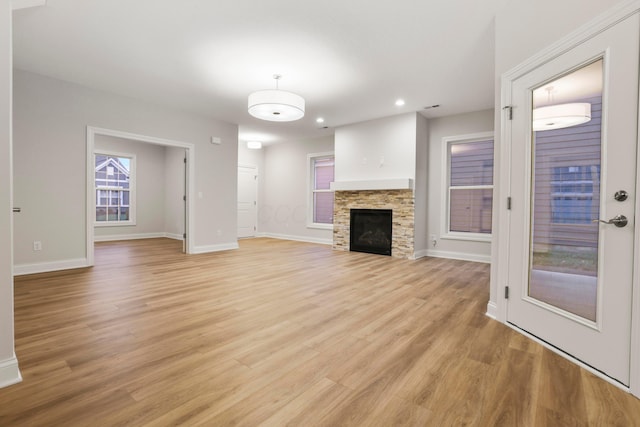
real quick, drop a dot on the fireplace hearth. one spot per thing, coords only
(371, 231)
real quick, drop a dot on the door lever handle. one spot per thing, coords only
(16, 210)
(618, 221)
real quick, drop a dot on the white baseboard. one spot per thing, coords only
(116, 237)
(459, 255)
(492, 310)
(214, 248)
(420, 254)
(45, 267)
(9, 372)
(173, 236)
(296, 238)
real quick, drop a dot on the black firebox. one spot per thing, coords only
(371, 231)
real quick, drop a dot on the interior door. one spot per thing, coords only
(570, 278)
(247, 201)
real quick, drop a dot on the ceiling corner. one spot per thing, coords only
(23, 4)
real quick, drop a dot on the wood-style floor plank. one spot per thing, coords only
(284, 333)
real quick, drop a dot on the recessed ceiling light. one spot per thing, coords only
(400, 102)
(319, 120)
(254, 145)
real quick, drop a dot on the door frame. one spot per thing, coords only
(92, 131)
(503, 191)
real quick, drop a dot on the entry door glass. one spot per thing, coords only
(566, 191)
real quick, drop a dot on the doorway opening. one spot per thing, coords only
(118, 204)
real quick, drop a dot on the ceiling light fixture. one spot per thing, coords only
(276, 105)
(560, 115)
(254, 145)
(319, 120)
(400, 102)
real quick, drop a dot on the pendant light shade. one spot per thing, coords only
(276, 105)
(561, 116)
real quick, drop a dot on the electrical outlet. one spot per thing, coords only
(434, 241)
(37, 245)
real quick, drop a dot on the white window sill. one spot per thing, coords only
(469, 237)
(320, 226)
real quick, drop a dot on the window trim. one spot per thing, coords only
(310, 190)
(445, 232)
(132, 189)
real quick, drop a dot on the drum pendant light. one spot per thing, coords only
(276, 105)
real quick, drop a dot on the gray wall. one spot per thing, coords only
(462, 124)
(50, 120)
(282, 207)
(421, 213)
(250, 157)
(8, 364)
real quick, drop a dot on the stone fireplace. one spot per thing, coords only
(400, 202)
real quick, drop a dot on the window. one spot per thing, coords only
(321, 173)
(114, 189)
(572, 190)
(469, 191)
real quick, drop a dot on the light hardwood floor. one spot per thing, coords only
(279, 333)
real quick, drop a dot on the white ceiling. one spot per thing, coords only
(350, 59)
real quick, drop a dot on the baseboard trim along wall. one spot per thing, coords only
(173, 236)
(215, 248)
(296, 238)
(9, 372)
(454, 255)
(492, 310)
(45, 267)
(116, 237)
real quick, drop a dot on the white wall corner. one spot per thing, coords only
(421, 253)
(45, 267)
(9, 372)
(492, 310)
(214, 248)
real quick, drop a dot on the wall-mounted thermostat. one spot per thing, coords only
(216, 140)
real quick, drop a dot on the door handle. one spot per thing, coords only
(618, 221)
(16, 210)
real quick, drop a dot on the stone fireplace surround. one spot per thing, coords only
(400, 201)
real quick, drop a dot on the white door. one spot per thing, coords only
(247, 201)
(570, 279)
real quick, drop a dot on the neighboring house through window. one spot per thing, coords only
(469, 186)
(321, 174)
(114, 189)
(567, 168)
